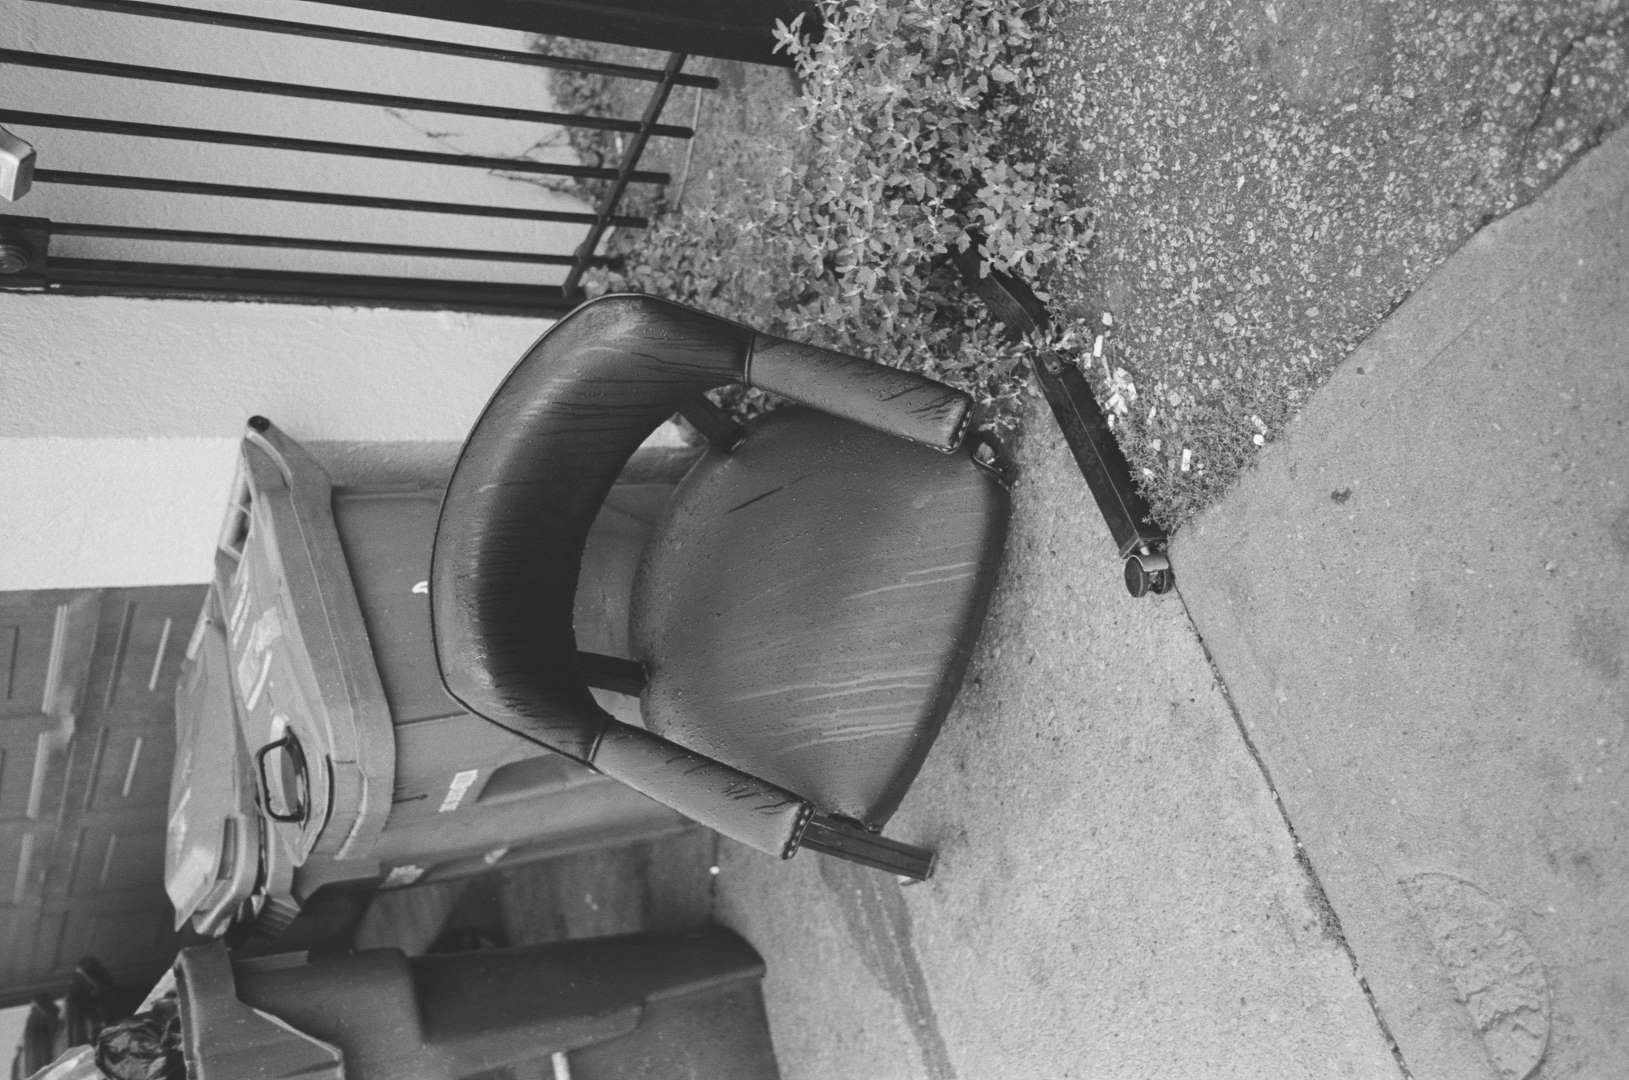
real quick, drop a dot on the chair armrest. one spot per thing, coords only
(726, 800)
(900, 403)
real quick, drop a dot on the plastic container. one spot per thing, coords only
(313, 674)
(639, 1007)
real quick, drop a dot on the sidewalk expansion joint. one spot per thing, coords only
(1303, 859)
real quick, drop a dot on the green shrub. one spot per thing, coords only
(912, 147)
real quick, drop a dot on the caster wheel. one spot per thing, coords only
(1148, 573)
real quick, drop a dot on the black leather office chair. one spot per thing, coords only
(803, 615)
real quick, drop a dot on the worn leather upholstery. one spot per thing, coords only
(731, 801)
(532, 476)
(806, 608)
(883, 398)
(530, 479)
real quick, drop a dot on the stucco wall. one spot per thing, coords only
(119, 419)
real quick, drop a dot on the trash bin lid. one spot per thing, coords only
(212, 847)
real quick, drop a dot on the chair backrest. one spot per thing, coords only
(526, 488)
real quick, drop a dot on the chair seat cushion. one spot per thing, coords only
(807, 606)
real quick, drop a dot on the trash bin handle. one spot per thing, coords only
(300, 809)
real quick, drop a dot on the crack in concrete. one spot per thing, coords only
(1608, 28)
(1329, 917)
(445, 139)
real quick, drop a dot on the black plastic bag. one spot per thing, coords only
(146, 1046)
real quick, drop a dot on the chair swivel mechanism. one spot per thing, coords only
(801, 617)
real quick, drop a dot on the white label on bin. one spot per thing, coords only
(402, 875)
(459, 787)
(240, 609)
(268, 628)
(246, 671)
(255, 663)
(260, 681)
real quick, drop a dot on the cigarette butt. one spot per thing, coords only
(1187, 459)
(1097, 346)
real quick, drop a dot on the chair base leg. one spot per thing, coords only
(846, 840)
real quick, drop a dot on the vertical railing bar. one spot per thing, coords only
(630, 158)
(373, 37)
(320, 198)
(54, 62)
(74, 276)
(262, 240)
(317, 146)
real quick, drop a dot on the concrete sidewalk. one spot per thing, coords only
(1420, 603)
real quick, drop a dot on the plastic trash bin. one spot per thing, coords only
(636, 1007)
(316, 745)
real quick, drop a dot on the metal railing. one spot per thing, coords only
(59, 252)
